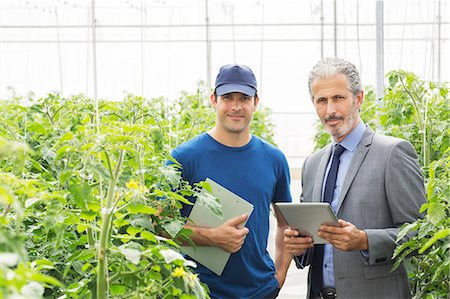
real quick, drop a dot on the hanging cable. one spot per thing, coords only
(439, 43)
(322, 30)
(142, 49)
(208, 48)
(27, 76)
(94, 56)
(58, 37)
(358, 41)
(261, 57)
(233, 33)
(88, 47)
(402, 43)
(142, 149)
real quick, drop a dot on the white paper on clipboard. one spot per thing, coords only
(233, 206)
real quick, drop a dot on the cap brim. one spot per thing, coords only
(229, 88)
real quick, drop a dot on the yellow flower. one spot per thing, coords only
(132, 184)
(193, 276)
(178, 272)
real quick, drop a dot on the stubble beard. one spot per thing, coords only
(347, 125)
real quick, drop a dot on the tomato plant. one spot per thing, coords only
(81, 183)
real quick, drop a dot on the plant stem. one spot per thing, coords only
(102, 280)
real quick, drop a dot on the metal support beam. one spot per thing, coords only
(335, 28)
(380, 49)
(208, 48)
(439, 43)
(322, 30)
(94, 50)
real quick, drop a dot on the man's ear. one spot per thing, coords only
(256, 101)
(213, 100)
(359, 99)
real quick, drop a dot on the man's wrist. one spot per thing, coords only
(364, 240)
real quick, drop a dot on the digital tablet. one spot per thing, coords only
(307, 217)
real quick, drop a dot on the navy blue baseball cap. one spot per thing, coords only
(235, 78)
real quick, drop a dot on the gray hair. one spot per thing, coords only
(330, 67)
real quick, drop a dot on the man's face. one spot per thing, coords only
(337, 107)
(234, 111)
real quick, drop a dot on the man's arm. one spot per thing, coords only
(405, 193)
(282, 256)
(229, 236)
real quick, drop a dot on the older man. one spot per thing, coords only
(374, 185)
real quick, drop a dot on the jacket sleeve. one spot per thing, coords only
(405, 193)
(301, 261)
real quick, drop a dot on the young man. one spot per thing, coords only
(251, 168)
(374, 185)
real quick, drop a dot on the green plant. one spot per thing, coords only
(418, 111)
(86, 218)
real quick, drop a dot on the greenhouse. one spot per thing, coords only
(151, 149)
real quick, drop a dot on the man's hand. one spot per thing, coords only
(345, 237)
(295, 244)
(230, 236)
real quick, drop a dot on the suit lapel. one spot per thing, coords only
(317, 193)
(355, 164)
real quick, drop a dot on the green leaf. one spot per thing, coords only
(31, 201)
(142, 222)
(88, 215)
(75, 287)
(424, 207)
(149, 236)
(142, 209)
(131, 230)
(65, 137)
(437, 212)
(64, 176)
(86, 267)
(406, 228)
(170, 256)
(82, 228)
(179, 198)
(63, 151)
(171, 243)
(45, 279)
(120, 222)
(173, 227)
(117, 289)
(210, 201)
(206, 186)
(441, 234)
(131, 254)
(187, 192)
(399, 259)
(155, 276)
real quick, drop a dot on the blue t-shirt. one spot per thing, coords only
(259, 173)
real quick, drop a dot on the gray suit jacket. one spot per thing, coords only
(382, 190)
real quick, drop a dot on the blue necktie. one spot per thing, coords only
(317, 276)
(332, 174)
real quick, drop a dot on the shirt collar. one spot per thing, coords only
(352, 140)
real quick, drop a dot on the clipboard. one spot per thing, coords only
(307, 217)
(214, 258)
